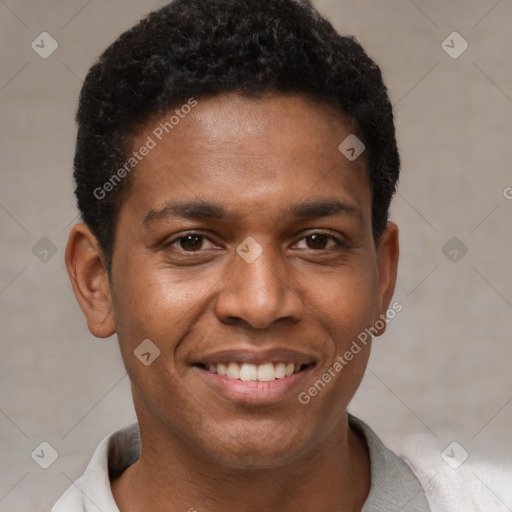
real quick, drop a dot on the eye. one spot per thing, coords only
(320, 241)
(192, 242)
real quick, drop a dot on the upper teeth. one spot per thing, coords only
(262, 372)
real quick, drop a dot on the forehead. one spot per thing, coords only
(248, 152)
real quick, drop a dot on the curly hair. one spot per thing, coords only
(204, 48)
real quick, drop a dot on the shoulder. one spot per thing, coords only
(456, 478)
(72, 500)
(92, 490)
(394, 485)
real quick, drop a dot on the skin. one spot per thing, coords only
(256, 158)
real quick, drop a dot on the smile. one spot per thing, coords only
(265, 372)
(258, 377)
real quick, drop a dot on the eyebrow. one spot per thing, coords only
(324, 208)
(193, 210)
(201, 210)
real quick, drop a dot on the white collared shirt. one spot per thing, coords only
(393, 485)
(396, 485)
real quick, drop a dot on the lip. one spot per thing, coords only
(256, 357)
(254, 392)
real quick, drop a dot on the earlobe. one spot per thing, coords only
(89, 278)
(388, 253)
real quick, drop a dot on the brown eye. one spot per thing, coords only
(191, 242)
(317, 241)
(320, 242)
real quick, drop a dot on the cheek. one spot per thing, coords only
(162, 305)
(345, 303)
(152, 303)
(152, 313)
(346, 312)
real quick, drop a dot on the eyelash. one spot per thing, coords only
(340, 244)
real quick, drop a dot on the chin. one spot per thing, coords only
(257, 448)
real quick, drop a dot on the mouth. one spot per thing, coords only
(249, 377)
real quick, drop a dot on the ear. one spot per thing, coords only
(387, 263)
(86, 268)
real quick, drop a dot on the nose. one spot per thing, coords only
(258, 294)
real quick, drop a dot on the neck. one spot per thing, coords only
(335, 475)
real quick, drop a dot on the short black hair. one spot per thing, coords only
(203, 48)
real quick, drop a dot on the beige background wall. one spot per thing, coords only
(441, 372)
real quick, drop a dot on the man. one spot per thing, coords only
(234, 167)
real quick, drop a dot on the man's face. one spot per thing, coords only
(245, 241)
